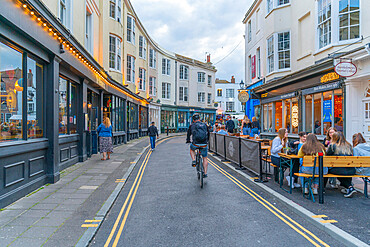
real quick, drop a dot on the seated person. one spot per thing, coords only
(223, 131)
(361, 148)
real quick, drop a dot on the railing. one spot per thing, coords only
(244, 152)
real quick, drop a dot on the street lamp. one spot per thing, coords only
(242, 85)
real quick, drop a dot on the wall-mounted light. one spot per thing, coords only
(89, 105)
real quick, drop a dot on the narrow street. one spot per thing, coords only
(162, 204)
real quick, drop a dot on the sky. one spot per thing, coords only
(193, 27)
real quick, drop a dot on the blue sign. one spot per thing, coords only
(327, 111)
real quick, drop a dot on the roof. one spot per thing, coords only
(222, 81)
(250, 10)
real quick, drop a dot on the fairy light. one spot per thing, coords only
(97, 72)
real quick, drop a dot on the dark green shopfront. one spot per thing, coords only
(178, 118)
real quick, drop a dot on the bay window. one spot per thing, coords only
(270, 54)
(324, 22)
(278, 43)
(349, 19)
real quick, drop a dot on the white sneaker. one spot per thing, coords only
(295, 185)
(288, 179)
(314, 190)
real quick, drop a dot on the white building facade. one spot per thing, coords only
(226, 97)
(293, 47)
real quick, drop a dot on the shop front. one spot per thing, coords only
(143, 121)
(168, 119)
(154, 115)
(183, 119)
(314, 106)
(132, 121)
(114, 107)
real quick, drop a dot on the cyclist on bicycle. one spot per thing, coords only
(200, 133)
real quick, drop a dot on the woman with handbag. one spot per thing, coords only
(105, 138)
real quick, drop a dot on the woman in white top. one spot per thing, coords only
(278, 144)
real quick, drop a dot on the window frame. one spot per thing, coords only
(201, 77)
(166, 90)
(209, 80)
(152, 58)
(142, 79)
(152, 87)
(166, 66)
(130, 30)
(201, 97)
(117, 53)
(249, 31)
(130, 70)
(184, 72)
(228, 90)
(219, 92)
(142, 47)
(209, 98)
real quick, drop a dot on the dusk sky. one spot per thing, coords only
(194, 27)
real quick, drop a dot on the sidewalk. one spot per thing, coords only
(53, 214)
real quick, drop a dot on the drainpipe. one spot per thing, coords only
(175, 103)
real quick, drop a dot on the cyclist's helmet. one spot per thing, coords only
(196, 117)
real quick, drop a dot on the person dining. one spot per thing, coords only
(255, 127)
(361, 148)
(246, 125)
(329, 136)
(105, 138)
(279, 142)
(311, 148)
(341, 147)
(223, 131)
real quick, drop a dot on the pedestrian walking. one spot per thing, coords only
(246, 125)
(230, 125)
(105, 138)
(255, 127)
(153, 133)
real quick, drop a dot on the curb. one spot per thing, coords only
(328, 228)
(89, 234)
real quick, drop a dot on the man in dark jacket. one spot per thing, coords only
(153, 132)
(230, 125)
(200, 137)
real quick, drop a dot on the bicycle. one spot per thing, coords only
(199, 166)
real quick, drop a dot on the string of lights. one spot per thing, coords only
(67, 45)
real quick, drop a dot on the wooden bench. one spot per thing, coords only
(337, 161)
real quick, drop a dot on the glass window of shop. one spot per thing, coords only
(278, 115)
(291, 115)
(267, 118)
(132, 116)
(67, 107)
(14, 94)
(168, 119)
(182, 119)
(114, 106)
(143, 120)
(322, 111)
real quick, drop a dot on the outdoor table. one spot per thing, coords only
(286, 161)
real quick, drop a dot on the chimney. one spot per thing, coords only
(232, 79)
(208, 58)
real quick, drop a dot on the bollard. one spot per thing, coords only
(240, 156)
(167, 130)
(216, 143)
(321, 178)
(225, 148)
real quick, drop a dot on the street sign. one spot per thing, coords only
(345, 69)
(243, 96)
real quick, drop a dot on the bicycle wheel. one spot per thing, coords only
(201, 173)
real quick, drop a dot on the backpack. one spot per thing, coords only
(200, 133)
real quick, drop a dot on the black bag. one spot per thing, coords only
(293, 148)
(199, 132)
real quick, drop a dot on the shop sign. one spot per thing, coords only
(295, 116)
(264, 95)
(243, 96)
(329, 77)
(345, 69)
(277, 98)
(288, 95)
(321, 88)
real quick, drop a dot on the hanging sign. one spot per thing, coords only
(295, 115)
(329, 77)
(243, 96)
(345, 69)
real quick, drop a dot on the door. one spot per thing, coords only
(94, 126)
(366, 112)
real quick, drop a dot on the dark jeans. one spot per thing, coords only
(152, 141)
(276, 161)
(345, 182)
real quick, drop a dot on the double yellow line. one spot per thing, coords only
(286, 219)
(129, 200)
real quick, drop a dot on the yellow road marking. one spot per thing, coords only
(128, 197)
(89, 225)
(270, 207)
(91, 221)
(319, 216)
(124, 206)
(328, 221)
(120, 180)
(133, 162)
(129, 207)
